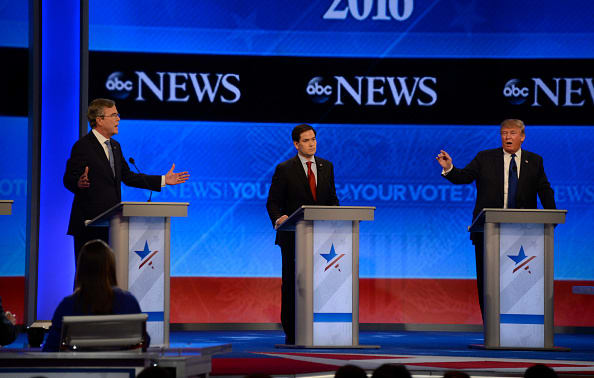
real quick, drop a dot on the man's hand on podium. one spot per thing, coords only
(83, 180)
(173, 178)
(280, 221)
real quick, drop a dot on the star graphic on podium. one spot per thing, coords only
(332, 258)
(146, 255)
(330, 255)
(521, 256)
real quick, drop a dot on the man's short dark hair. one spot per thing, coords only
(96, 109)
(300, 129)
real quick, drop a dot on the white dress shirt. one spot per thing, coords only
(314, 168)
(102, 140)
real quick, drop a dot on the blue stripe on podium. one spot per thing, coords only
(332, 317)
(155, 316)
(521, 319)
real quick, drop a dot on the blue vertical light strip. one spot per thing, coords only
(59, 130)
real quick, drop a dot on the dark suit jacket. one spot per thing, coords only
(290, 190)
(105, 190)
(486, 170)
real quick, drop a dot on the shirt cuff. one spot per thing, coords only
(163, 181)
(444, 172)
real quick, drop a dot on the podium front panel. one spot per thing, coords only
(521, 285)
(146, 271)
(333, 283)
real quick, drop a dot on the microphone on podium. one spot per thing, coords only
(131, 160)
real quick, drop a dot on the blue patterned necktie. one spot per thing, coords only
(110, 156)
(512, 183)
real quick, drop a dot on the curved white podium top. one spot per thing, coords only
(142, 209)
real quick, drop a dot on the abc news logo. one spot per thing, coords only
(558, 91)
(175, 86)
(374, 90)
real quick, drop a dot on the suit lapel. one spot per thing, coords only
(499, 172)
(321, 168)
(100, 152)
(524, 163)
(299, 173)
(117, 158)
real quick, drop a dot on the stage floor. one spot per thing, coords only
(425, 353)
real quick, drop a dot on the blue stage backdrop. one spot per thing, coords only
(419, 230)
(361, 28)
(13, 186)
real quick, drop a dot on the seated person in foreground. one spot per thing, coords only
(8, 331)
(95, 291)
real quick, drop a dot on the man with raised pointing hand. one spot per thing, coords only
(95, 170)
(507, 177)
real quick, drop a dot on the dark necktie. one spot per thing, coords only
(512, 183)
(107, 142)
(312, 181)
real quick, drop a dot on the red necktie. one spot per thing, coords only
(312, 180)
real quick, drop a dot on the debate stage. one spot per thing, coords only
(425, 353)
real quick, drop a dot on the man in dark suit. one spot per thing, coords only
(95, 170)
(507, 177)
(302, 180)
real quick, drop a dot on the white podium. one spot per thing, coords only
(140, 233)
(327, 275)
(518, 277)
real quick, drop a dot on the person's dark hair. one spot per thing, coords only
(95, 278)
(540, 371)
(455, 374)
(300, 129)
(96, 109)
(350, 371)
(391, 371)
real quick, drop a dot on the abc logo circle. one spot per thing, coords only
(118, 86)
(318, 90)
(515, 92)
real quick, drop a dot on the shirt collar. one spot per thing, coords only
(99, 137)
(304, 160)
(518, 153)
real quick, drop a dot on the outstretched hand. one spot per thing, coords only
(444, 160)
(173, 178)
(83, 180)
